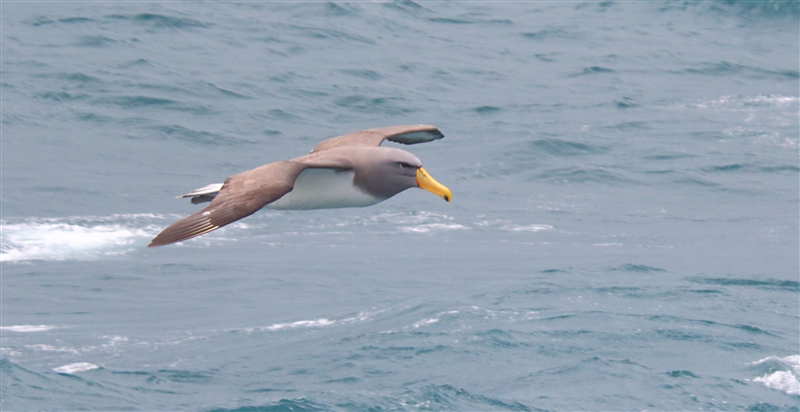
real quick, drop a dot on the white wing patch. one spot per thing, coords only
(318, 188)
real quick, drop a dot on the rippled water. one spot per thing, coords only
(623, 233)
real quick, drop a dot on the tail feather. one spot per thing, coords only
(204, 194)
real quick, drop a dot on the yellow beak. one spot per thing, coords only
(425, 181)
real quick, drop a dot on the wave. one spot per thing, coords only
(76, 367)
(28, 328)
(103, 237)
(782, 374)
(75, 238)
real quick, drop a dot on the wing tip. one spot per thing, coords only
(184, 229)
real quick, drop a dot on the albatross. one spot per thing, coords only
(351, 170)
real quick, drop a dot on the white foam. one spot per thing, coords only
(431, 227)
(74, 238)
(528, 228)
(76, 367)
(425, 322)
(786, 380)
(27, 328)
(50, 348)
(302, 324)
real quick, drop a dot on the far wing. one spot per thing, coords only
(241, 195)
(410, 134)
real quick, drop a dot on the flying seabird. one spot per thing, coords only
(345, 171)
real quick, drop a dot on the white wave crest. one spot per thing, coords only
(27, 328)
(76, 367)
(74, 238)
(527, 228)
(786, 379)
(302, 324)
(432, 227)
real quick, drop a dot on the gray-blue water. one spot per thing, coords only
(623, 233)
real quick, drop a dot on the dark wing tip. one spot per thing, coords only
(417, 134)
(186, 228)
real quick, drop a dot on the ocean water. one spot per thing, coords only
(623, 233)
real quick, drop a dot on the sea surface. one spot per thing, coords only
(623, 233)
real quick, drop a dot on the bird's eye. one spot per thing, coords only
(404, 165)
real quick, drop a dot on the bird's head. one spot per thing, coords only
(389, 171)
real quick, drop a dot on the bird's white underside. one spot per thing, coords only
(323, 189)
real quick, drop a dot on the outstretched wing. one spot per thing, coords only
(411, 134)
(241, 195)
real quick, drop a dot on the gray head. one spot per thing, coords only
(384, 171)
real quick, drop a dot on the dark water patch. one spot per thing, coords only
(136, 63)
(625, 290)
(133, 102)
(62, 96)
(548, 289)
(338, 9)
(78, 78)
(283, 405)
(559, 317)
(69, 20)
(197, 137)
(680, 335)
(726, 68)
(447, 397)
(669, 156)
(579, 175)
(486, 109)
(555, 271)
(768, 407)
(309, 93)
(344, 380)
(551, 33)
(626, 126)
(726, 168)
(279, 114)
(226, 92)
(390, 352)
(363, 74)
(496, 338)
(595, 70)
(769, 284)
(285, 77)
(716, 68)
(381, 105)
(448, 20)
(766, 8)
(695, 181)
(780, 169)
(681, 374)
(158, 20)
(322, 34)
(41, 21)
(94, 41)
(754, 330)
(547, 58)
(658, 172)
(563, 148)
(706, 291)
(629, 267)
(626, 103)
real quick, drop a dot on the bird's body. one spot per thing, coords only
(344, 171)
(321, 188)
